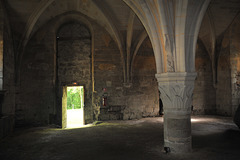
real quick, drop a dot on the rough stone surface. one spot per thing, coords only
(9, 72)
(142, 98)
(74, 62)
(108, 74)
(38, 68)
(44, 50)
(204, 93)
(227, 92)
(36, 92)
(223, 91)
(235, 63)
(38, 72)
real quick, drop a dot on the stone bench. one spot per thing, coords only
(111, 113)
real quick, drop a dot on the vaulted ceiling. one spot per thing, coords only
(27, 16)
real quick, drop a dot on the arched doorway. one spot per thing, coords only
(73, 69)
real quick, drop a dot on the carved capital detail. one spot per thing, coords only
(176, 90)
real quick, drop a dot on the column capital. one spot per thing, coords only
(176, 90)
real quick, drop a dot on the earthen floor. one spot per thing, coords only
(214, 138)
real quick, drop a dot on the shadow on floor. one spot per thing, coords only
(117, 140)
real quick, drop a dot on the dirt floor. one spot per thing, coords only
(215, 138)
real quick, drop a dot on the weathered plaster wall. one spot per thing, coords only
(204, 94)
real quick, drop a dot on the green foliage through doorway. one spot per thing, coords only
(74, 97)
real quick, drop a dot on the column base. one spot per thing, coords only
(178, 147)
(177, 134)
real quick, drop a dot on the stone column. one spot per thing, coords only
(176, 90)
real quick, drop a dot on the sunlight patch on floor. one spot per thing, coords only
(75, 118)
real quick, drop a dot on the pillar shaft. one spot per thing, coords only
(176, 90)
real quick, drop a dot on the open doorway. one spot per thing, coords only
(75, 107)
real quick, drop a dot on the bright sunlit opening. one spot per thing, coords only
(75, 107)
(194, 120)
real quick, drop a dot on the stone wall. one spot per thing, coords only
(204, 94)
(228, 71)
(9, 71)
(41, 76)
(108, 74)
(74, 62)
(228, 89)
(134, 102)
(7, 82)
(37, 98)
(235, 63)
(36, 86)
(223, 91)
(143, 97)
(37, 101)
